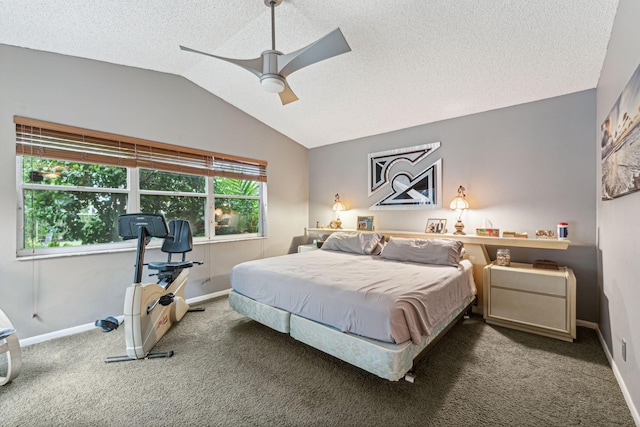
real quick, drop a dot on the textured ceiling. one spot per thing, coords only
(412, 61)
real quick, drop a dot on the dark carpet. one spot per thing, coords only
(231, 371)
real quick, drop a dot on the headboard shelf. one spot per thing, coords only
(467, 239)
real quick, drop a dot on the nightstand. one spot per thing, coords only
(305, 248)
(530, 299)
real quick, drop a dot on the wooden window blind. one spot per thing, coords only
(38, 138)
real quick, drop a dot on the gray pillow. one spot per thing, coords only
(357, 243)
(425, 251)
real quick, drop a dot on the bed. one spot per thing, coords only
(375, 304)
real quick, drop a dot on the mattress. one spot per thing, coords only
(364, 295)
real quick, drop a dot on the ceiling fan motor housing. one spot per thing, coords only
(271, 81)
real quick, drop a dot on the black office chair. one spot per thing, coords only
(179, 241)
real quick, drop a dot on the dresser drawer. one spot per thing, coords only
(534, 309)
(521, 278)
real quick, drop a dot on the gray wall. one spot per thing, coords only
(618, 224)
(66, 292)
(524, 167)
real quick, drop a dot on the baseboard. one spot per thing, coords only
(88, 326)
(623, 387)
(208, 297)
(587, 324)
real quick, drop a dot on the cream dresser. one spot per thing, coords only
(536, 300)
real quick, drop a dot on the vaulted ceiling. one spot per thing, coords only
(412, 61)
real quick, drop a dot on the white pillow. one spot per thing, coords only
(357, 243)
(425, 251)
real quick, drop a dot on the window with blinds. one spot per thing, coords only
(54, 141)
(75, 183)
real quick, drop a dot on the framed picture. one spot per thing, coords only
(620, 144)
(365, 223)
(436, 225)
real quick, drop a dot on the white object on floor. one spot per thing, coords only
(10, 345)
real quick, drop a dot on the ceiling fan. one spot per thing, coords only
(273, 67)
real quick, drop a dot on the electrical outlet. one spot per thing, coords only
(624, 350)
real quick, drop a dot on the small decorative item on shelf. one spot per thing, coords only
(515, 234)
(563, 230)
(436, 225)
(546, 264)
(503, 257)
(545, 234)
(488, 232)
(364, 223)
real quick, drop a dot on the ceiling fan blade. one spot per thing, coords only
(252, 65)
(287, 96)
(328, 46)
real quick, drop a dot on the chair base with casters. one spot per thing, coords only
(10, 346)
(150, 309)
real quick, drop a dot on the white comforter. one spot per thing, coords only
(360, 294)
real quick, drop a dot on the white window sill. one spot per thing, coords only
(153, 245)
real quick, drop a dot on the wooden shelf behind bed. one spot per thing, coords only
(475, 246)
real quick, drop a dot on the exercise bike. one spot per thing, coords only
(151, 308)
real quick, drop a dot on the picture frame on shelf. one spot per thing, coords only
(436, 226)
(365, 223)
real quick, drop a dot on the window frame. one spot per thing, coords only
(262, 206)
(218, 165)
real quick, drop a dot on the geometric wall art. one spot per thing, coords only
(620, 144)
(380, 163)
(405, 178)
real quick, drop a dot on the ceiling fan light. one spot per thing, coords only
(272, 84)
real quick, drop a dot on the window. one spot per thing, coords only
(177, 196)
(69, 203)
(237, 208)
(74, 183)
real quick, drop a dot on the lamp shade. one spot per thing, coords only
(339, 206)
(459, 202)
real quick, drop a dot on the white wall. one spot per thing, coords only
(617, 220)
(524, 167)
(66, 292)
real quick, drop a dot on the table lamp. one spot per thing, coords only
(459, 204)
(338, 206)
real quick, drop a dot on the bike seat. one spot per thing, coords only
(170, 266)
(179, 241)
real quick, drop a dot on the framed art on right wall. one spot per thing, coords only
(620, 144)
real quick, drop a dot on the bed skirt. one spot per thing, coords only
(270, 316)
(386, 360)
